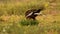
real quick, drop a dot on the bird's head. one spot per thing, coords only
(40, 9)
(38, 12)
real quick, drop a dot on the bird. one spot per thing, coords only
(33, 13)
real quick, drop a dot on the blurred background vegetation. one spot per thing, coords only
(12, 19)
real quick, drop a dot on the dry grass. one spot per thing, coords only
(12, 14)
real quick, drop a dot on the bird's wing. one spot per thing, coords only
(29, 14)
(36, 13)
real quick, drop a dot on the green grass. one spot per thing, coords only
(28, 22)
(16, 28)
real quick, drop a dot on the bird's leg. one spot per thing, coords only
(33, 18)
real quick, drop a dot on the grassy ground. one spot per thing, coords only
(12, 17)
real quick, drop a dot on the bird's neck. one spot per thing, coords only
(38, 10)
